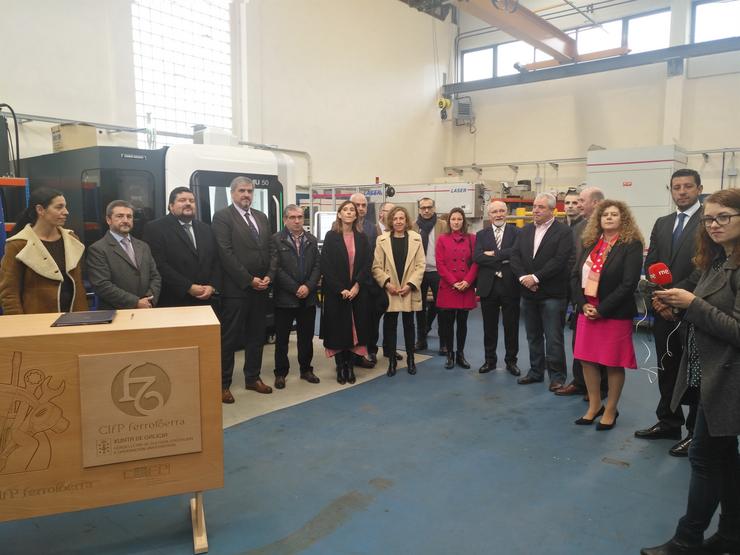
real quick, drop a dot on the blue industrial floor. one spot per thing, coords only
(444, 462)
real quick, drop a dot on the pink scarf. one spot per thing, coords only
(595, 263)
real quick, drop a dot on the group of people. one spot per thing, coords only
(372, 270)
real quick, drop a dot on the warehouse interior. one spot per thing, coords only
(367, 95)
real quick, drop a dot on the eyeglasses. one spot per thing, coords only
(722, 219)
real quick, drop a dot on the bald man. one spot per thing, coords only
(497, 287)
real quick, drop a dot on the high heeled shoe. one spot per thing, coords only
(583, 421)
(392, 363)
(601, 426)
(410, 363)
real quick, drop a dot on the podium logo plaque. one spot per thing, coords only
(139, 405)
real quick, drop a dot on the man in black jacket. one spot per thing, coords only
(295, 259)
(672, 242)
(243, 237)
(497, 287)
(541, 260)
(186, 253)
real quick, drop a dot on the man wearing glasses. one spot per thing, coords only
(430, 228)
(672, 242)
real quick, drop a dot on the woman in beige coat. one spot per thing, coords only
(398, 267)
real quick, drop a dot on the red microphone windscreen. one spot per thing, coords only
(660, 274)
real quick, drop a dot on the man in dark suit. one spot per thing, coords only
(295, 254)
(672, 242)
(497, 287)
(243, 237)
(541, 260)
(120, 267)
(186, 253)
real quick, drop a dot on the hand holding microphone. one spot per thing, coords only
(661, 276)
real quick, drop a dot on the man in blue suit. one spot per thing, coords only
(497, 287)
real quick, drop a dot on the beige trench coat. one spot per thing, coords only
(384, 269)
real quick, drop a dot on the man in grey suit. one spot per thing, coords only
(243, 237)
(121, 268)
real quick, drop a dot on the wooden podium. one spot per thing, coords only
(104, 414)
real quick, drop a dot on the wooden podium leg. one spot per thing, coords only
(198, 518)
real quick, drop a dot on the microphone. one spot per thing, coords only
(660, 275)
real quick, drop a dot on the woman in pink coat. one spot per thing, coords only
(457, 272)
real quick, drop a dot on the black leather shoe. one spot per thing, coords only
(681, 449)
(362, 362)
(341, 380)
(392, 363)
(279, 382)
(526, 380)
(450, 363)
(720, 544)
(460, 360)
(487, 367)
(659, 431)
(372, 357)
(310, 377)
(672, 547)
(601, 427)
(410, 363)
(583, 421)
(513, 369)
(420, 345)
(349, 372)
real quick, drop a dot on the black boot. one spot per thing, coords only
(460, 359)
(340, 368)
(392, 363)
(450, 364)
(410, 362)
(349, 370)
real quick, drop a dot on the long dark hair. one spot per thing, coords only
(464, 228)
(706, 249)
(41, 196)
(337, 225)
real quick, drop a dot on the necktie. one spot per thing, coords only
(191, 234)
(251, 224)
(129, 249)
(497, 234)
(679, 230)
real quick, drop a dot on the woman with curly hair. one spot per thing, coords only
(603, 284)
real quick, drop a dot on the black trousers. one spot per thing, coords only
(243, 323)
(668, 372)
(425, 317)
(390, 331)
(715, 480)
(305, 319)
(509, 307)
(377, 309)
(447, 320)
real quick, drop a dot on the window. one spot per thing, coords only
(716, 20)
(649, 32)
(478, 64)
(605, 37)
(511, 53)
(182, 64)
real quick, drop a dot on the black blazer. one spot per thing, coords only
(618, 283)
(288, 277)
(678, 261)
(243, 257)
(552, 264)
(180, 263)
(337, 313)
(485, 240)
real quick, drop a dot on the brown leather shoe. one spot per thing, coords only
(258, 386)
(554, 386)
(569, 389)
(227, 397)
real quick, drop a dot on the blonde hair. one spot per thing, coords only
(389, 217)
(628, 230)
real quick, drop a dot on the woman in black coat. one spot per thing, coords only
(345, 264)
(710, 372)
(603, 284)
